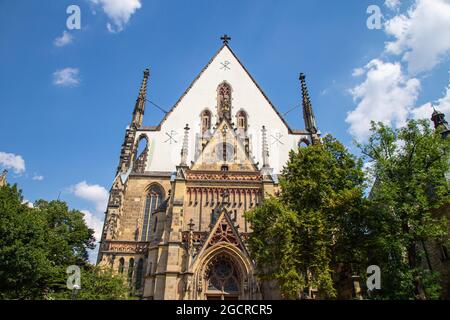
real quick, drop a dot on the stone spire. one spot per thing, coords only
(266, 170)
(128, 150)
(265, 148)
(139, 108)
(440, 123)
(184, 148)
(308, 114)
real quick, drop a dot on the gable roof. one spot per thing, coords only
(200, 74)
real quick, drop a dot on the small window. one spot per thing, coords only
(241, 120)
(140, 156)
(224, 168)
(121, 265)
(224, 101)
(139, 274)
(444, 253)
(206, 120)
(130, 269)
(152, 202)
(303, 143)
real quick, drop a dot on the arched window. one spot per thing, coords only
(121, 265)
(303, 143)
(224, 101)
(139, 274)
(241, 118)
(130, 270)
(222, 279)
(152, 202)
(206, 120)
(141, 154)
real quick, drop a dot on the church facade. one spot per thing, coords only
(175, 224)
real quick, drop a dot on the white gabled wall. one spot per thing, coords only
(165, 151)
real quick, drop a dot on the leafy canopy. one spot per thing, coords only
(409, 166)
(38, 244)
(316, 223)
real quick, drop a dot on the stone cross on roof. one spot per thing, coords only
(225, 38)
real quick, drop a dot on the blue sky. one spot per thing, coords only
(63, 135)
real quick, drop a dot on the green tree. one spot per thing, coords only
(38, 244)
(96, 284)
(317, 223)
(25, 269)
(409, 166)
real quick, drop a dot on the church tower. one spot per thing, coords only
(175, 225)
(440, 123)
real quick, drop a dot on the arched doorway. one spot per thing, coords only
(222, 279)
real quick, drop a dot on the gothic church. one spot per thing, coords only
(175, 224)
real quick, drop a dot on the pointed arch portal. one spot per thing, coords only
(222, 278)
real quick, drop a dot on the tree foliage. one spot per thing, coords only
(38, 244)
(317, 222)
(323, 222)
(96, 284)
(409, 166)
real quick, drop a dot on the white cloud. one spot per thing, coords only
(357, 72)
(386, 95)
(28, 203)
(67, 77)
(38, 177)
(12, 161)
(95, 224)
(63, 40)
(98, 196)
(421, 35)
(94, 193)
(118, 11)
(392, 4)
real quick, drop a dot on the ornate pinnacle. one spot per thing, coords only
(143, 90)
(265, 148)
(308, 114)
(139, 108)
(184, 148)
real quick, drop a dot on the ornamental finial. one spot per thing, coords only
(184, 148)
(225, 38)
(308, 114)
